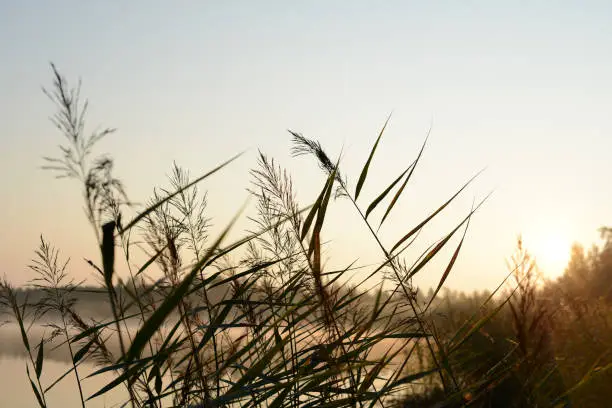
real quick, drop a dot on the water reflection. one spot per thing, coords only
(15, 388)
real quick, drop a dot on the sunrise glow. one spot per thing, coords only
(551, 252)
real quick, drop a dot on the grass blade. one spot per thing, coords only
(258, 367)
(36, 392)
(82, 351)
(94, 329)
(314, 210)
(323, 207)
(449, 267)
(126, 375)
(444, 241)
(401, 189)
(108, 252)
(382, 195)
(151, 260)
(364, 171)
(39, 359)
(24, 335)
(432, 215)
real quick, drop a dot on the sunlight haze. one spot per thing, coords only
(523, 89)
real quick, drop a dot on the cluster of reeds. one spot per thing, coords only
(285, 331)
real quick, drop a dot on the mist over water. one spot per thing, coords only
(16, 392)
(15, 387)
(13, 356)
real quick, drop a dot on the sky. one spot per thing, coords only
(522, 89)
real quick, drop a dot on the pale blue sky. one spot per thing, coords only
(524, 88)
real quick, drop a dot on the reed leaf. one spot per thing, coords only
(39, 359)
(401, 189)
(366, 166)
(432, 215)
(382, 195)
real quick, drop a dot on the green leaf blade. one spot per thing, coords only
(432, 215)
(364, 171)
(39, 359)
(401, 189)
(382, 195)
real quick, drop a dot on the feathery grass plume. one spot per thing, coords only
(303, 146)
(58, 296)
(167, 229)
(104, 194)
(191, 205)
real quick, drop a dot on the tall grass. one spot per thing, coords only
(285, 332)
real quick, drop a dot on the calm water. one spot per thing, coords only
(15, 389)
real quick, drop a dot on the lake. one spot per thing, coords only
(17, 392)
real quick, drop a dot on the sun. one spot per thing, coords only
(551, 251)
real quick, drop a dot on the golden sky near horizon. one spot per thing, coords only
(523, 90)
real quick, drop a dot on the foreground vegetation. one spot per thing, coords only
(261, 322)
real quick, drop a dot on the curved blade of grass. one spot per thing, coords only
(155, 374)
(382, 195)
(150, 260)
(36, 392)
(442, 207)
(97, 327)
(443, 242)
(60, 378)
(338, 273)
(24, 335)
(322, 209)
(280, 400)
(219, 319)
(372, 375)
(170, 335)
(39, 359)
(315, 248)
(82, 351)
(314, 210)
(175, 193)
(258, 367)
(449, 267)
(126, 375)
(401, 189)
(118, 366)
(250, 271)
(364, 171)
(108, 252)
